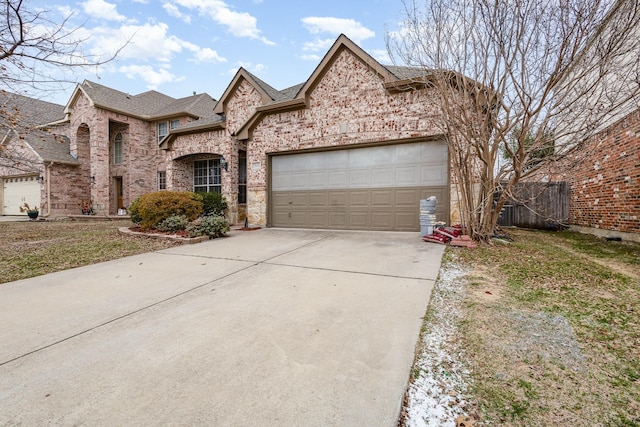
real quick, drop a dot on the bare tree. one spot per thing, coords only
(33, 46)
(515, 77)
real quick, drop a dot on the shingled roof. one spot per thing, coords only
(29, 112)
(150, 105)
(50, 147)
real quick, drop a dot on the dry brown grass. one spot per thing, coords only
(32, 248)
(552, 330)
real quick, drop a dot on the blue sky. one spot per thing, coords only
(180, 46)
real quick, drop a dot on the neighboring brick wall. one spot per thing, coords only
(348, 106)
(605, 184)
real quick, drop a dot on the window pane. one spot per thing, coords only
(162, 180)
(174, 124)
(162, 130)
(206, 176)
(117, 148)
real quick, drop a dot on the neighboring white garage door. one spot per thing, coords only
(371, 188)
(17, 191)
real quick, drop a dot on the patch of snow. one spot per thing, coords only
(437, 396)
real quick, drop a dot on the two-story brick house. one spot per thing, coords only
(355, 146)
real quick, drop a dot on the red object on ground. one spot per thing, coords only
(464, 241)
(435, 238)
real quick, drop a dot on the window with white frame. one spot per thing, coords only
(174, 124)
(162, 180)
(117, 148)
(207, 176)
(162, 130)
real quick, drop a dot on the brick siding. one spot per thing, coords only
(605, 179)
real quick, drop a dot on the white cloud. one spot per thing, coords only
(335, 26)
(173, 10)
(318, 45)
(66, 10)
(153, 78)
(381, 55)
(312, 57)
(249, 66)
(240, 24)
(150, 41)
(102, 10)
(208, 55)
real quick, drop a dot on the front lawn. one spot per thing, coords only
(544, 331)
(32, 248)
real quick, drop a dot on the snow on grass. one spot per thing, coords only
(436, 395)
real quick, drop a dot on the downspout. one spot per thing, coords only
(48, 178)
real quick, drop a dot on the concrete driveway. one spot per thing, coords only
(269, 327)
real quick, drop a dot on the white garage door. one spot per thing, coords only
(371, 188)
(17, 191)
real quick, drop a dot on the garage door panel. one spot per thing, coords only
(433, 175)
(406, 221)
(279, 198)
(407, 176)
(382, 220)
(318, 179)
(338, 220)
(318, 199)
(359, 220)
(371, 188)
(382, 198)
(359, 178)
(318, 219)
(408, 152)
(299, 199)
(382, 177)
(338, 179)
(298, 219)
(338, 199)
(435, 153)
(406, 198)
(359, 199)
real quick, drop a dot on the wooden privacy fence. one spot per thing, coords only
(540, 205)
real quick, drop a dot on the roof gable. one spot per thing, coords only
(341, 43)
(296, 97)
(266, 92)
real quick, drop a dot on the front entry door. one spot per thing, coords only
(119, 192)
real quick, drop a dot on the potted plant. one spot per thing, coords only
(86, 206)
(32, 212)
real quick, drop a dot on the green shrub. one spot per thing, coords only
(211, 225)
(151, 209)
(212, 204)
(174, 223)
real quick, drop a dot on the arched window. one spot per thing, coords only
(117, 148)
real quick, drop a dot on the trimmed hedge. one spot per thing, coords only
(212, 203)
(151, 209)
(211, 225)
